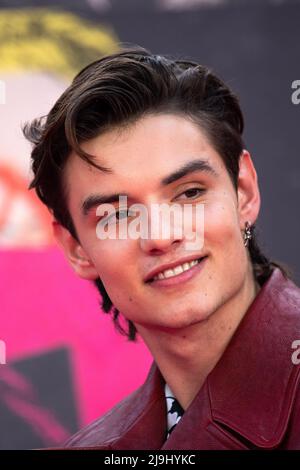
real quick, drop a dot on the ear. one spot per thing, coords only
(248, 191)
(74, 252)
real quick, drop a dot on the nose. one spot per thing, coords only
(162, 235)
(158, 246)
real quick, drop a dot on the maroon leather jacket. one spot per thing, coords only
(250, 400)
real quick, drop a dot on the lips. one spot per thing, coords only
(171, 270)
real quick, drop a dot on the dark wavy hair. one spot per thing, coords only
(116, 91)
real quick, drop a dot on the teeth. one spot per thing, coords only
(175, 271)
(178, 269)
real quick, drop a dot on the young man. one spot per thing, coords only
(218, 317)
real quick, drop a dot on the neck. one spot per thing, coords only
(185, 357)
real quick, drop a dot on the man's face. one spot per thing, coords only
(141, 157)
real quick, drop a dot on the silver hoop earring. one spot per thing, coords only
(247, 233)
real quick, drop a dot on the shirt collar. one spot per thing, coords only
(174, 410)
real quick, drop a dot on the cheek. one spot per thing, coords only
(114, 264)
(224, 238)
(114, 261)
(221, 224)
(119, 276)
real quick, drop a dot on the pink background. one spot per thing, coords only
(44, 306)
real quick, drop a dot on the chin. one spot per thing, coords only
(185, 320)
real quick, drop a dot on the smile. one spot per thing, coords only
(178, 274)
(176, 270)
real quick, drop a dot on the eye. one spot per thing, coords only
(116, 216)
(121, 214)
(192, 193)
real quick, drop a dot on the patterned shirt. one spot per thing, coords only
(174, 410)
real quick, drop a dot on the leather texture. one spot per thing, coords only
(251, 399)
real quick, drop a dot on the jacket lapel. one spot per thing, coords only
(244, 403)
(253, 387)
(247, 399)
(148, 428)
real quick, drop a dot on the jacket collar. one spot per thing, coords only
(147, 429)
(253, 386)
(248, 394)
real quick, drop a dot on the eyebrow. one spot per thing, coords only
(190, 167)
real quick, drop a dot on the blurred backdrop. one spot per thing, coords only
(65, 364)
